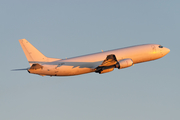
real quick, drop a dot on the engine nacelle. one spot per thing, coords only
(124, 63)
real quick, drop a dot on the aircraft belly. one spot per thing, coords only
(70, 70)
(61, 71)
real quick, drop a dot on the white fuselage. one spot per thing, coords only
(87, 63)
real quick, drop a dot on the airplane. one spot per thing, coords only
(101, 62)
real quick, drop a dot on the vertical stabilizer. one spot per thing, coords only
(32, 54)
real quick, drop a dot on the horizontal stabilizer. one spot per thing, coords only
(19, 69)
(36, 66)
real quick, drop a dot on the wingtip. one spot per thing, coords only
(22, 40)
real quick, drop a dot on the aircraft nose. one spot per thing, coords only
(166, 50)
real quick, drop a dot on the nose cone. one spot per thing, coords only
(166, 50)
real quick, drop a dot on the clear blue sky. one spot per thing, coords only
(60, 29)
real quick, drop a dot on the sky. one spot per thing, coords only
(64, 29)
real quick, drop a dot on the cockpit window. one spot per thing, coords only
(160, 46)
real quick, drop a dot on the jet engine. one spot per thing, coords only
(124, 63)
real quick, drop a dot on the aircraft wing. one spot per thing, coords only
(99, 67)
(109, 61)
(108, 64)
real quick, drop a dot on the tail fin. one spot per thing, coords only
(32, 54)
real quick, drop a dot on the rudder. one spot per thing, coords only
(32, 54)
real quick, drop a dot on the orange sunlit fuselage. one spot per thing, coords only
(97, 62)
